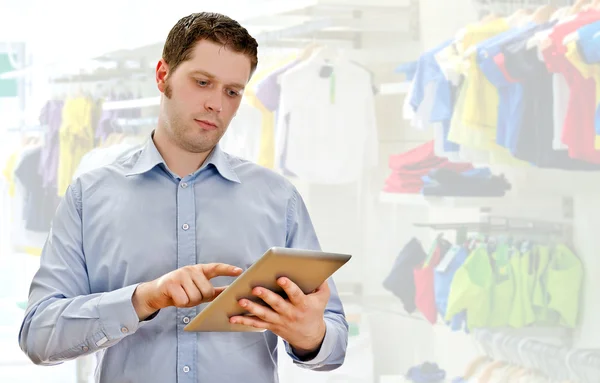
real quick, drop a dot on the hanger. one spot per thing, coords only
(308, 50)
(517, 17)
(578, 7)
(487, 373)
(543, 14)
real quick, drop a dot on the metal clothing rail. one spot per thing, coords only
(504, 225)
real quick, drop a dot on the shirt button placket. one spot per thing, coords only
(186, 255)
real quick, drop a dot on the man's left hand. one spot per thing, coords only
(299, 320)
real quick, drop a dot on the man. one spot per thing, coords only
(136, 246)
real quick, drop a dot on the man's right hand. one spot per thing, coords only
(188, 286)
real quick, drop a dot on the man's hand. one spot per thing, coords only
(188, 286)
(299, 320)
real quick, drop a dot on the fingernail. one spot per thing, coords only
(237, 270)
(244, 303)
(282, 282)
(259, 292)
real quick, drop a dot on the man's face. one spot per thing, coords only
(202, 95)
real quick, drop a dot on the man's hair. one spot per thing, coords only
(213, 27)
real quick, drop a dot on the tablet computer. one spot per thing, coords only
(306, 268)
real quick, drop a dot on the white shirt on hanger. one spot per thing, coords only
(331, 136)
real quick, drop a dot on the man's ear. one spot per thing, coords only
(162, 71)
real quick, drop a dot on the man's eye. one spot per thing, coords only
(202, 82)
(233, 93)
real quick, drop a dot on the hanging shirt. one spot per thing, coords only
(40, 203)
(522, 314)
(401, 281)
(481, 104)
(564, 282)
(51, 119)
(444, 275)
(332, 132)
(424, 281)
(267, 139)
(578, 129)
(510, 91)
(592, 73)
(76, 138)
(588, 42)
(535, 133)
(545, 316)
(503, 287)
(471, 289)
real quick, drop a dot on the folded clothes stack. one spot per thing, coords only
(426, 373)
(420, 171)
(470, 183)
(409, 168)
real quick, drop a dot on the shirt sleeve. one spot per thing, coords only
(301, 234)
(64, 319)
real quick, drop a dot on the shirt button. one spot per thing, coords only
(85, 348)
(185, 226)
(124, 330)
(186, 320)
(186, 369)
(184, 185)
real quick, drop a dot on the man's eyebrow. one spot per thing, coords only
(212, 77)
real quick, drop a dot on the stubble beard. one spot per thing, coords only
(178, 133)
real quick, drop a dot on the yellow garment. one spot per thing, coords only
(266, 156)
(522, 313)
(588, 71)
(482, 99)
(9, 171)
(474, 123)
(76, 137)
(471, 290)
(503, 289)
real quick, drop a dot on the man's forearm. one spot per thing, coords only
(60, 329)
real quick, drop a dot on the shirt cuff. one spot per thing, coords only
(117, 314)
(326, 349)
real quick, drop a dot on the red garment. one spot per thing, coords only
(578, 131)
(395, 184)
(408, 168)
(425, 288)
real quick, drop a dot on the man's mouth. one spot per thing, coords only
(206, 125)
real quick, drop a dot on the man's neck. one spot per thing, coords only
(178, 160)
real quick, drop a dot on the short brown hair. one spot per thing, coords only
(209, 26)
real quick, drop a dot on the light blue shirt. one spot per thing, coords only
(134, 221)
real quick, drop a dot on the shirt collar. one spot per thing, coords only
(149, 157)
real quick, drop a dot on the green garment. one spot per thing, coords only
(503, 288)
(471, 289)
(564, 282)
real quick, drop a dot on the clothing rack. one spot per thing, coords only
(554, 361)
(504, 225)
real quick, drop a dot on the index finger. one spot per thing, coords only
(212, 270)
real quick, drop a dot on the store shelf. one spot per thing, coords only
(394, 88)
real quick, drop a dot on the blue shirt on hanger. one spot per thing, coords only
(134, 221)
(510, 93)
(588, 42)
(443, 276)
(428, 70)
